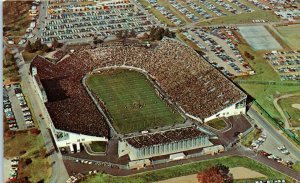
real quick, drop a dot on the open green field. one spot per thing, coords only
(98, 146)
(296, 166)
(188, 169)
(292, 113)
(264, 94)
(217, 124)
(132, 101)
(242, 18)
(290, 34)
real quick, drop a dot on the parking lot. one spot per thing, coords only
(219, 44)
(20, 116)
(74, 20)
(10, 169)
(286, 64)
(271, 146)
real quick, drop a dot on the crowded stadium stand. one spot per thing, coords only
(189, 81)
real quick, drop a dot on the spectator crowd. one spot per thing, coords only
(191, 83)
(165, 137)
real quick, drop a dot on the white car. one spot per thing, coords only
(10, 42)
(25, 109)
(28, 122)
(23, 41)
(26, 113)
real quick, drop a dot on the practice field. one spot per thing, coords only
(259, 38)
(290, 34)
(131, 101)
(291, 110)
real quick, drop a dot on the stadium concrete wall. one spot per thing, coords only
(162, 149)
(64, 138)
(235, 109)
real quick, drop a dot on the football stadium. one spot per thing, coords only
(152, 99)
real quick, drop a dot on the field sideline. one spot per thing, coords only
(132, 101)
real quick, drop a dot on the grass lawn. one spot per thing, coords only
(132, 101)
(290, 34)
(39, 168)
(242, 18)
(187, 41)
(19, 26)
(296, 166)
(188, 169)
(253, 135)
(217, 124)
(98, 146)
(291, 113)
(23, 141)
(264, 94)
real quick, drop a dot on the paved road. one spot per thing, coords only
(237, 151)
(278, 136)
(59, 172)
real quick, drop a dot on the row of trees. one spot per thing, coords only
(248, 55)
(39, 46)
(156, 33)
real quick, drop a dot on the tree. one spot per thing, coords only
(210, 175)
(55, 43)
(28, 161)
(45, 48)
(132, 33)
(38, 44)
(119, 34)
(217, 174)
(28, 46)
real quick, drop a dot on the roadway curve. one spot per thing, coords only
(278, 135)
(59, 172)
(287, 123)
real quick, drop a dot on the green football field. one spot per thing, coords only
(131, 101)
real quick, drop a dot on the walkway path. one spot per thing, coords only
(287, 123)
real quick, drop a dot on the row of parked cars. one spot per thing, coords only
(242, 6)
(24, 107)
(184, 10)
(256, 143)
(276, 158)
(9, 114)
(260, 5)
(168, 14)
(212, 8)
(84, 24)
(228, 7)
(285, 62)
(271, 181)
(199, 10)
(13, 172)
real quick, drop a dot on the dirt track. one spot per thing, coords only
(237, 172)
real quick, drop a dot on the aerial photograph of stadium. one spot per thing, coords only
(151, 91)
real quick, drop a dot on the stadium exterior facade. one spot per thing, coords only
(65, 138)
(137, 153)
